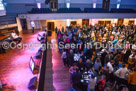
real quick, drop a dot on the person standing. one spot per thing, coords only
(121, 74)
(132, 80)
(32, 25)
(56, 30)
(92, 83)
(76, 78)
(64, 57)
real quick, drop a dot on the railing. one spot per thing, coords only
(42, 70)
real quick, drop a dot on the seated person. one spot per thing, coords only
(15, 37)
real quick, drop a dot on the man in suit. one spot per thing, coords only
(103, 56)
(108, 58)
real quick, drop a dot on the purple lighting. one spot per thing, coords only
(94, 5)
(39, 5)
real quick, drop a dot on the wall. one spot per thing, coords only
(124, 4)
(23, 1)
(19, 24)
(8, 26)
(93, 21)
(77, 16)
(126, 21)
(80, 4)
(43, 23)
(76, 1)
(21, 8)
(59, 23)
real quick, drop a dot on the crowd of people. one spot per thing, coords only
(111, 68)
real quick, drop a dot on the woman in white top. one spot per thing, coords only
(113, 32)
(15, 37)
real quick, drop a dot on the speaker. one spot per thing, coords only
(39, 54)
(32, 84)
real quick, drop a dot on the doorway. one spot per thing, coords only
(120, 21)
(24, 24)
(131, 22)
(73, 23)
(85, 22)
(50, 26)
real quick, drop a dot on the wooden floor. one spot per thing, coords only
(61, 76)
(15, 71)
(14, 65)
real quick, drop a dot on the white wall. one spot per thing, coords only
(59, 23)
(77, 16)
(43, 23)
(75, 1)
(93, 21)
(2, 12)
(19, 24)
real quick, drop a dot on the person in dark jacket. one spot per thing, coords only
(80, 65)
(89, 53)
(126, 56)
(83, 57)
(103, 57)
(88, 65)
(76, 78)
(71, 58)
